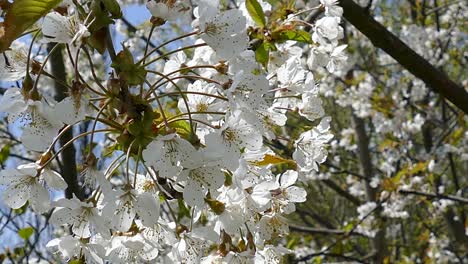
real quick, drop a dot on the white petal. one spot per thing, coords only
(39, 198)
(56, 28)
(38, 137)
(100, 224)
(288, 178)
(10, 177)
(12, 101)
(16, 195)
(194, 193)
(62, 216)
(69, 246)
(81, 227)
(70, 111)
(123, 216)
(54, 179)
(296, 194)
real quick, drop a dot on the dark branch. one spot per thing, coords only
(408, 58)
(68, 169)
(322, 231)
(436, 196)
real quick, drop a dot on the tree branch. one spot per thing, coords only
(408, 58)
(322, 231)
(332, 185)
(435, 196)
(68, 168)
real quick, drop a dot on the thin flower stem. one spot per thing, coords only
(160, 189)
(172, 52)
(77, 73)
(183, 98)
(109, 172)
(45, 73)
(71, 142)
(164, 44)
(110, 122)
(145, 54)
(163, 114)
(59, 135)
(189, 68)
(112, 164)
(179, 77)
(28, 62)
(43, 65)
(154, 87)
(136, 165)
(78, 76)
(189, 92)
(306, 11)
(195, 113)
(195, 120)
(127, 161)
(93, 73)
(95, 123)
(208, 80)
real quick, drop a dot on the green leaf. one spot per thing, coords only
(262, 54)
(256, 12)
(132, 73)
(21, 16)
(113, 8)
(292, 243)
(26, 232)
(183, 210)
(100, 16)
(98, 40)
(22, 209)
(182, 127)
(4, 153)
(296, 35)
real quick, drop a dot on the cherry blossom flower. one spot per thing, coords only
(69, 247)
(170, 10)
(25, 184)
(84, 218)
(167, 153)
(332, 8)
(13, 63)
(235, 134)
(310, 147)
(63, 29)
(224, 32)
(200, 176)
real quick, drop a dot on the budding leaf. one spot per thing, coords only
(21, 16)
(256, 12)
(25, 233)
(271, 159)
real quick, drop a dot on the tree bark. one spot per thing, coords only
(378, 242)
(67, 157)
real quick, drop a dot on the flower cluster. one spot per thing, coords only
(186, 171)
